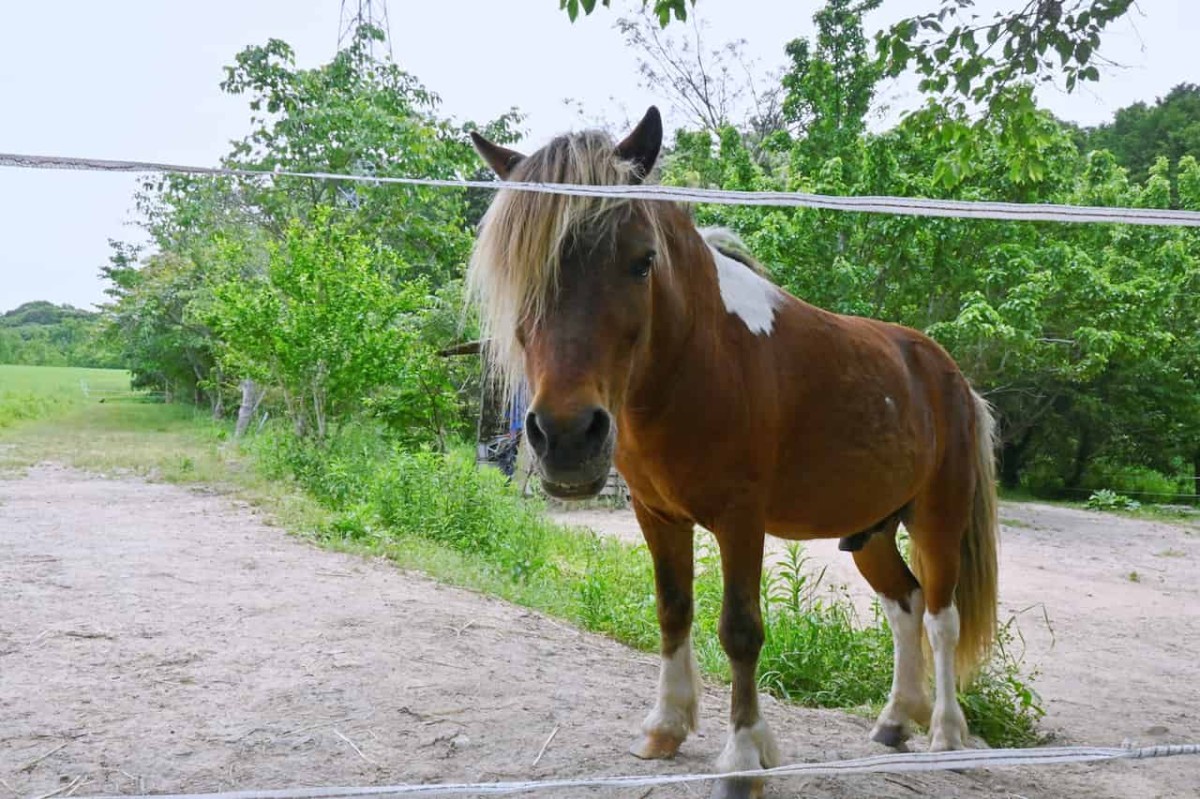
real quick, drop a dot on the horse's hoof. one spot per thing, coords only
(655, 746)
(893, 735)
(939, 742)
(737, 788)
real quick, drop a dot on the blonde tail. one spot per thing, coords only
(977, 594)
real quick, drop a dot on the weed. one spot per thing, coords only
(1104, 499)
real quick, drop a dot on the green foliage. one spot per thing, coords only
(331, 322)
(1104, 499)
(357, 115)
(829, 86)
(961, 55)
(44, 334)
(967, 62)
(1001, 705)
(665, 10)
(1139, 134)
(331, 298)
(819, 652)
(42, 313)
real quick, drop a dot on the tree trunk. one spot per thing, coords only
(1196, 476)
(218, 396)
(1012, 460)
(1083, 454)
(252, 395)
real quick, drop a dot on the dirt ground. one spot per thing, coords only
(156, 639)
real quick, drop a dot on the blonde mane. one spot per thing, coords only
(514, 268)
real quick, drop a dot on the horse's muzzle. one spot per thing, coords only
(574, 453)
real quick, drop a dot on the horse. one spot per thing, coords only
(726, 402)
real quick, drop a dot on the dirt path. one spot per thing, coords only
(156, 639)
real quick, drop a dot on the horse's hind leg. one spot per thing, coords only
(938, 554)
(675, 711)
(879, 561)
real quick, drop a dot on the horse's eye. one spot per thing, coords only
(641, 267)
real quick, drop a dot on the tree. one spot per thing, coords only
(358, 115)
(829, 84)
(325, 326)
(712, 88)
(968, 63)
(1140, 134)
(961, 55)
(215, 237)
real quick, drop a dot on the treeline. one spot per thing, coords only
(326, 303)
(44, 334)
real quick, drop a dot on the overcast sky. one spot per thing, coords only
(138, 79)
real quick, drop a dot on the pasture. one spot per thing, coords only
(36, 392)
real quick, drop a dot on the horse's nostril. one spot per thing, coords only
(535, 434)
(598, 428)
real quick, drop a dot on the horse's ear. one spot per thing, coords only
(501, 159)
(643, 145)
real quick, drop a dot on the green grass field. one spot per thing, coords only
(28, 393)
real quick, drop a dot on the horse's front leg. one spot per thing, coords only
(750, 745)
(675, 712)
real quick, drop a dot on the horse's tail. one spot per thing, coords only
(976, 597)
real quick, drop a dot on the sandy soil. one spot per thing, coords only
(157, 639)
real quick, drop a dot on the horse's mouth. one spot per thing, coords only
(575, 491)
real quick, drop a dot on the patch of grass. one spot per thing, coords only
(1134, 577)
(28, 393)
(170, 443)
(441, 514)
(1017, 524)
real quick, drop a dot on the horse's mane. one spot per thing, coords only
(729, 244)
(514, 268)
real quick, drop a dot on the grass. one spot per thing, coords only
(441, 515)
(37, 392)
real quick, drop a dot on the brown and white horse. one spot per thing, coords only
(728, 403)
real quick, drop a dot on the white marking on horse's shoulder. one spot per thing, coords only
(745, 293)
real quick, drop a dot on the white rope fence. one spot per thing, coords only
(903, 206)
(880, 764)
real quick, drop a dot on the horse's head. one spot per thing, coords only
(565, 286)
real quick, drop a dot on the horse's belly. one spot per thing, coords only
(842, 498)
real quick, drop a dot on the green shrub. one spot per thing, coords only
(1111, 500)
(1136, 480)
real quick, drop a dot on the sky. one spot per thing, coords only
(138, 79)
